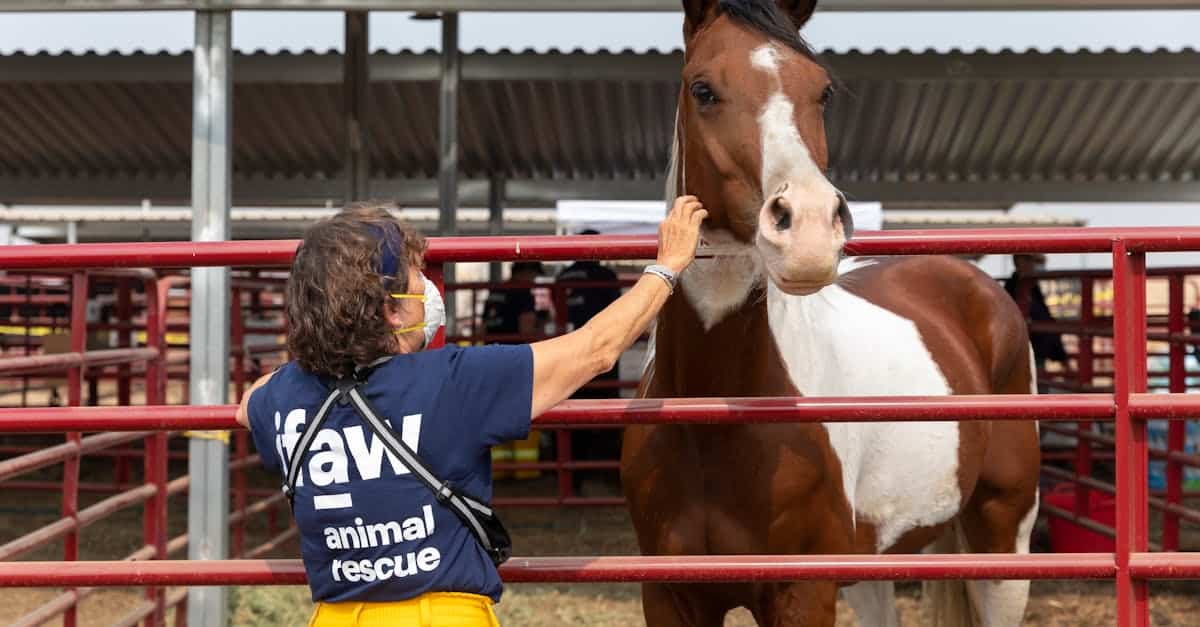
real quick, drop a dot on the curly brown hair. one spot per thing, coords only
(336, 293)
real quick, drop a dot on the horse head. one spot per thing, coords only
(751, 138)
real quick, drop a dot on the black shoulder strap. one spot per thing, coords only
(292, 465)
(460, 503)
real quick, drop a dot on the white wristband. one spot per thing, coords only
(663, 273)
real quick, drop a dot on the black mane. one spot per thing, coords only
(766, 17)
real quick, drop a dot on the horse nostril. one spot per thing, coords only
(782, 214)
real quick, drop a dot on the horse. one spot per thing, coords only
(778, 312)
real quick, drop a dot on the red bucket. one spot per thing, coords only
(1067, 536)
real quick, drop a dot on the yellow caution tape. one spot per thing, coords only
(221, 436)
(33, 331)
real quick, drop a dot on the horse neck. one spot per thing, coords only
(737, 356)
(733, 356)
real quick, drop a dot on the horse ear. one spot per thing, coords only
(798, 10)
(696, 13)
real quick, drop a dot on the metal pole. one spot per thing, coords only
(1176, 435)
(70, 490)
(451, 70)
(355, 82)
(495, 221)
(208, 498)
(1085, 367)
(1129, 354)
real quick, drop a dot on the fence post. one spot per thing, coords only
(1129, 353)
(27, 318)
(237, 340)
(70, 497)
(1176, 429)
(154, 511)
(1085, 368)
(124, 336)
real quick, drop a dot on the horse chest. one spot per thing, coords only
(897, 476)
(757, 508)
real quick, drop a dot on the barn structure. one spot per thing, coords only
(176, 140)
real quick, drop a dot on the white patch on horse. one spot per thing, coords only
(718, 285)
(766, 58)
(874, 603)
(896, 475)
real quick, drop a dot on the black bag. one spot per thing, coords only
(478, 517)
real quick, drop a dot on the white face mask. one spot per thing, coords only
(435, 311)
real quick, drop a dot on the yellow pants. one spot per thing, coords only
(432, 609)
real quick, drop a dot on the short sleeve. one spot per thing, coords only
(493, 385)
(262, 425)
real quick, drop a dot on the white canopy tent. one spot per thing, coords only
(634, 217)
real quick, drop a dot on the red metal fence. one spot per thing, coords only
(125, 365)
(1090, 374)
(1132, 566)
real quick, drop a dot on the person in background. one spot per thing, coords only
(583, 303)
(1024, 289)
(511, 310)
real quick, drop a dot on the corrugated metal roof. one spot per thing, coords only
(980, 125)
(841, 32)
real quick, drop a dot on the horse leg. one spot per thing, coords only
(874, 603)
(996, 527)
(800, 604)
(999, 518)
(678, 605)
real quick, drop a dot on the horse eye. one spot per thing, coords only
(826, 95)
(704, 94)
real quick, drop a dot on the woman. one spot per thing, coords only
(378, 546)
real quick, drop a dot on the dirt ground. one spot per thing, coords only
(536, 532)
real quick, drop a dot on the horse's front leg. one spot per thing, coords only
(681, 605)
(799, 604)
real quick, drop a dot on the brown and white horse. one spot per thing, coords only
(775, 314)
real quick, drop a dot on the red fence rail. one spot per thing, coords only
(1131, 565)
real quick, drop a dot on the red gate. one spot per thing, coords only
(1131, 566)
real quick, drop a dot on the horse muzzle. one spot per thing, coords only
(800, 236)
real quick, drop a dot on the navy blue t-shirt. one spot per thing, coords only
(369, 529)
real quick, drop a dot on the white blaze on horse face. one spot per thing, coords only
(896, 475)
(797, 235)
(785, 157)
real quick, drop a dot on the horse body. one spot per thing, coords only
(868, 487)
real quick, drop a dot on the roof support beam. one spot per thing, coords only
(448, 92)
(355, 107)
